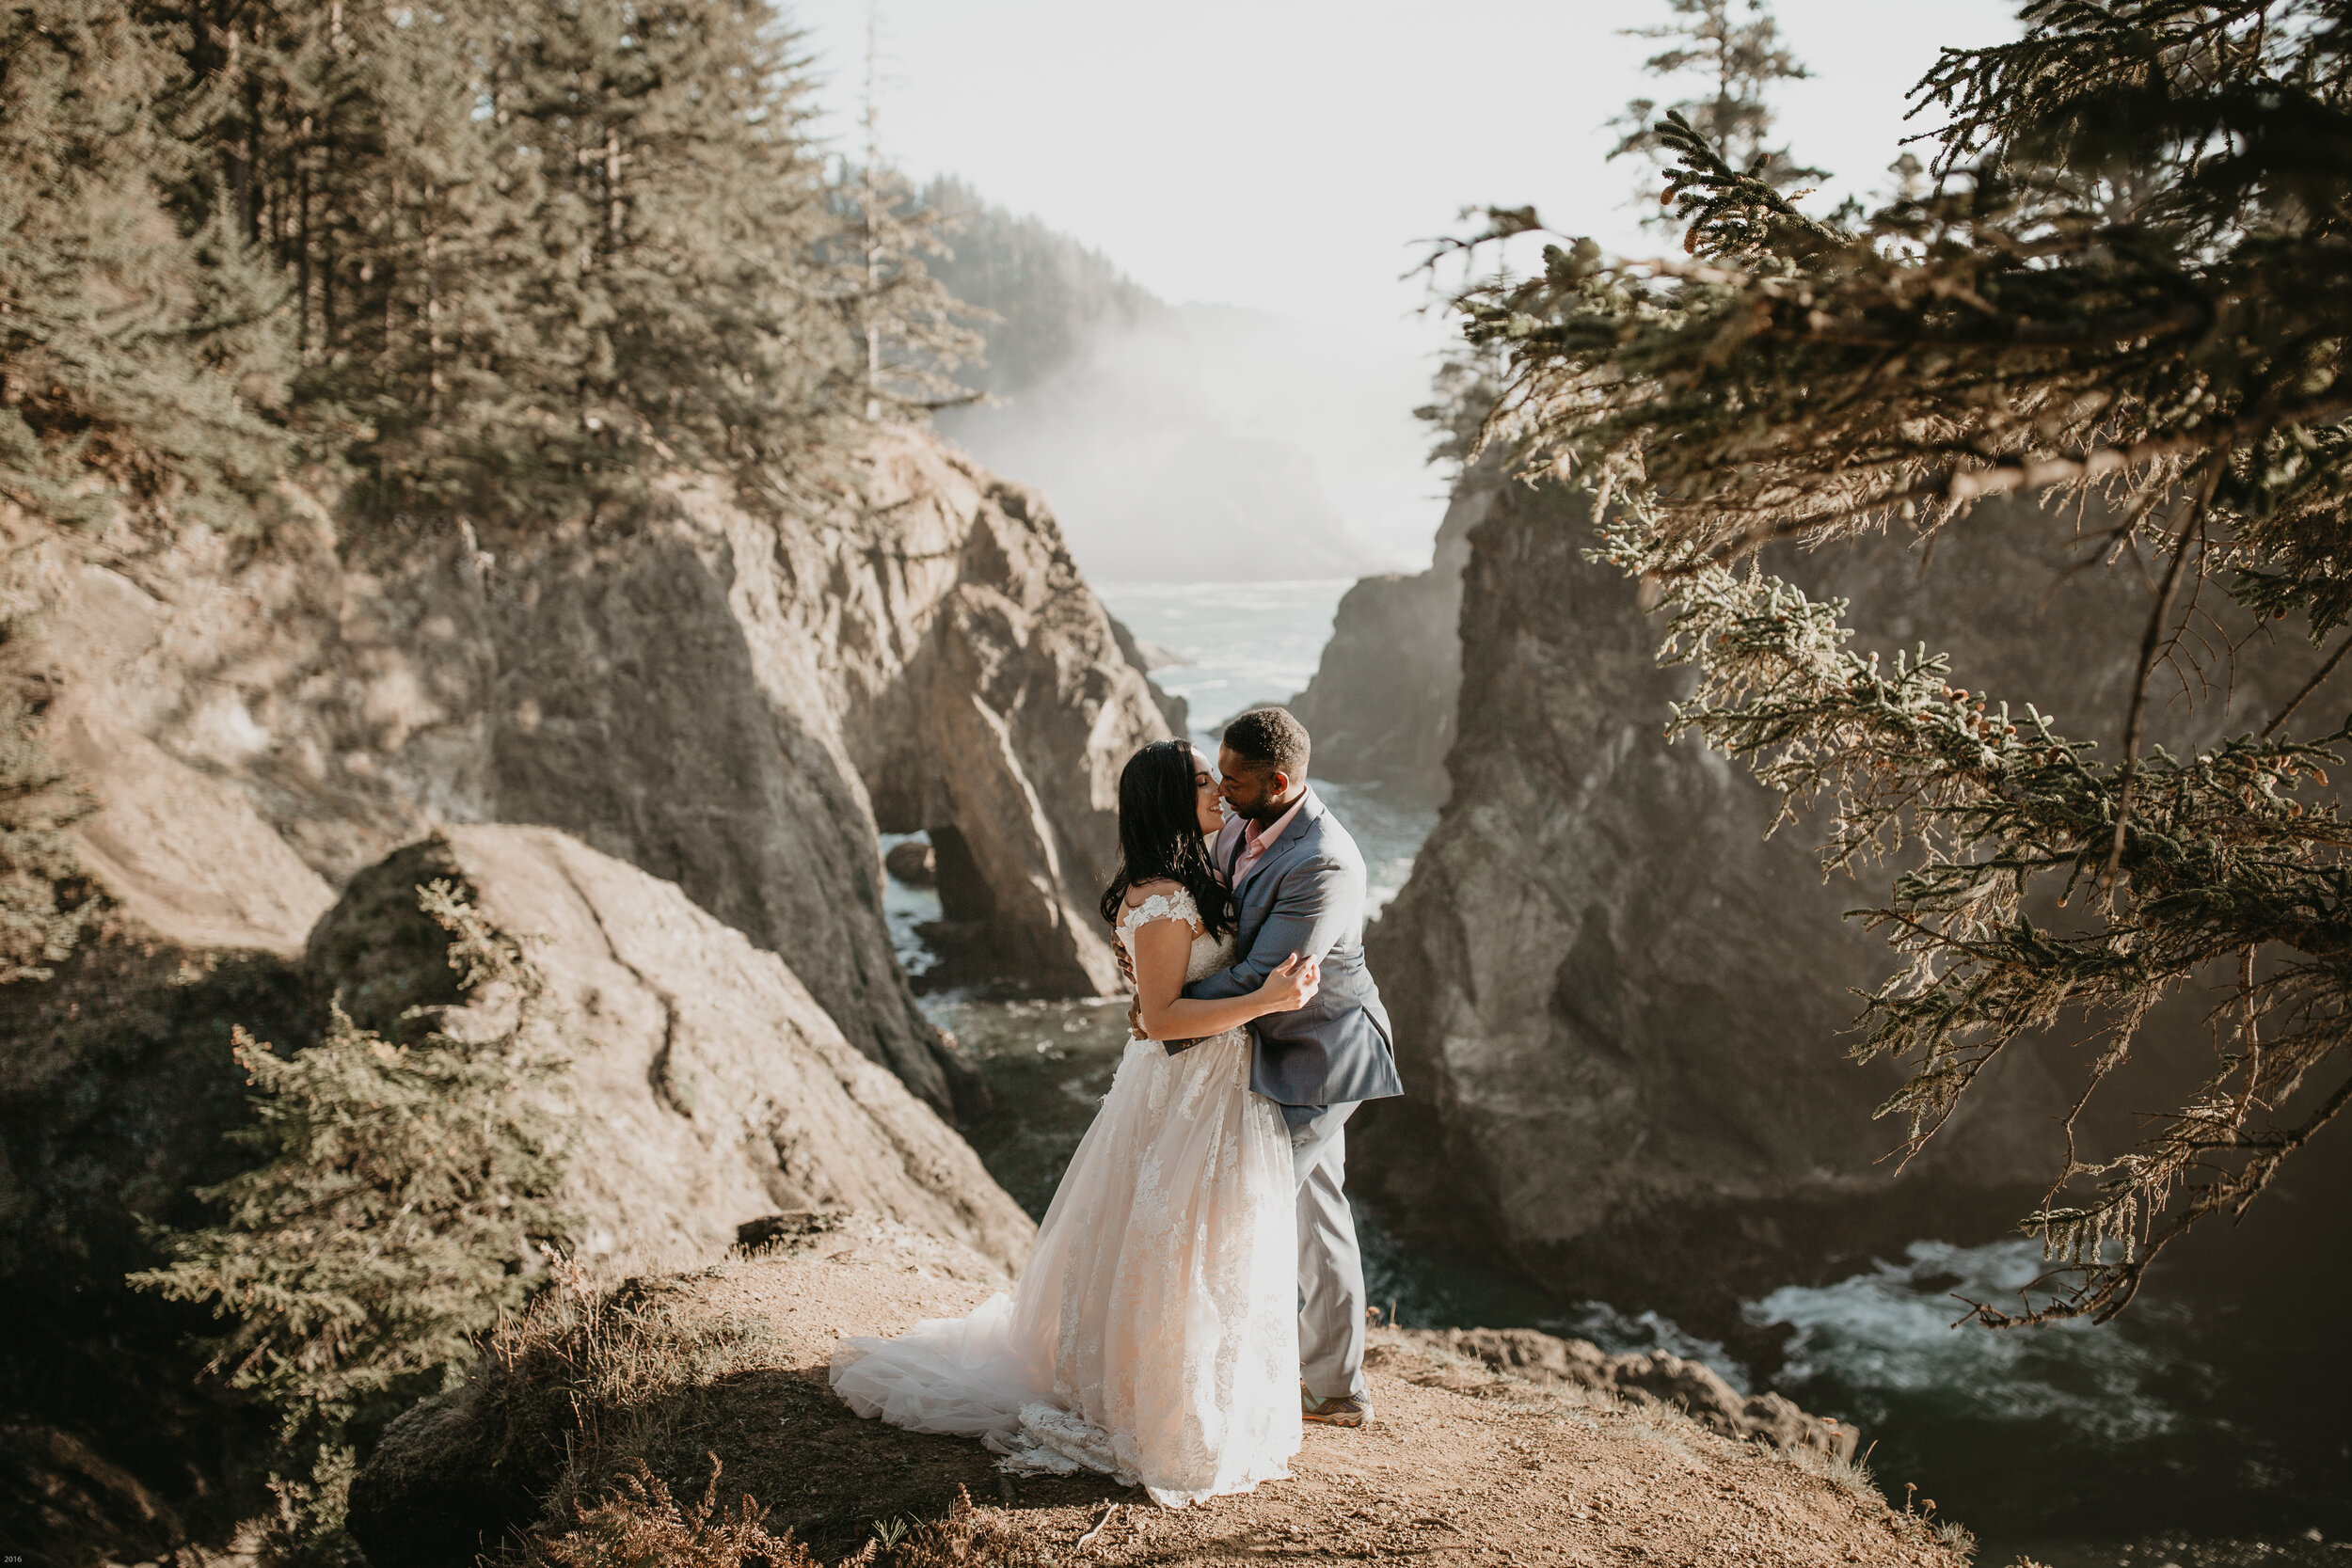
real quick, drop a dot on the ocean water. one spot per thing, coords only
(1256, 642)
(2204, 1431)
(1245, 643)
(2211, 1435)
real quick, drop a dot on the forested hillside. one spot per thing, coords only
(493, 257)
(1047, 295)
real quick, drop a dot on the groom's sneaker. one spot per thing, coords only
(1348, 1410)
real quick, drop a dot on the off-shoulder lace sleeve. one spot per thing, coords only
(1176, 905)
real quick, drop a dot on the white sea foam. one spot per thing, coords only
(1887, 1338)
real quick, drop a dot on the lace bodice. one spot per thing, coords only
(1209, 953)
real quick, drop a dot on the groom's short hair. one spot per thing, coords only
(1272, 737)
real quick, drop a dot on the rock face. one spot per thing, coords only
(1619, 1007)
(707, 1087)
(733, 701)
(1381, 708)
(115, 1086)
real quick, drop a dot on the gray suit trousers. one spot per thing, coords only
(1331, 1266)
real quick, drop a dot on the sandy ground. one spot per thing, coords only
(1460, 1466)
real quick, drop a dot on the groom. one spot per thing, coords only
(1298, 887)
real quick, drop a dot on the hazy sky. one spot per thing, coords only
(1286, 154)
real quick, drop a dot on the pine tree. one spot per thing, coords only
(140, 354)
(403, 219)
(679, 314)
(394, 1216)
(2129, 290)
(500, 257)
(908, 325)
(1740, 60)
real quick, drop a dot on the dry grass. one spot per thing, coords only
(610, 1371)
(1849, 1476)
(639, 1525)
(968, 1537)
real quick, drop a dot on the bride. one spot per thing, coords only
(1153, 1333)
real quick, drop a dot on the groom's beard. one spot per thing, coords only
(1265, 811)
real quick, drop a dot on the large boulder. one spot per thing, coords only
(734, 699)
(707, 1086)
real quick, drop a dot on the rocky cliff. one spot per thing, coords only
(728, 705)
(733, 700)
(1619, 1007)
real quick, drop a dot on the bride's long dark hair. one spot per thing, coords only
(1159, 835)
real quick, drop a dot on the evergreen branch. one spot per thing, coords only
(2216, 859)
(370, 1248)
(2103, 1290)
(1728, 211)
(2318, 678)
(2136, 706)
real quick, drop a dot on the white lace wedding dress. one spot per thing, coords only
(1153, 1333)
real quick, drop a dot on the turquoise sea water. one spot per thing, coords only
(2204, 1434)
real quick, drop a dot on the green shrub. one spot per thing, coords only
(399, 1210)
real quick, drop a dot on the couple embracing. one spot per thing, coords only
(1195, 1293)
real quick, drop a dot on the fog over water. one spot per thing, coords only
(1190, 447)
(1274, 172)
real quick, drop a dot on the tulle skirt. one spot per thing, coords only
(1153, 1333)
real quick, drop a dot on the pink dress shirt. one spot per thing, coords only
(1256, 841)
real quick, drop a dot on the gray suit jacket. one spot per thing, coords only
(1306, 894)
